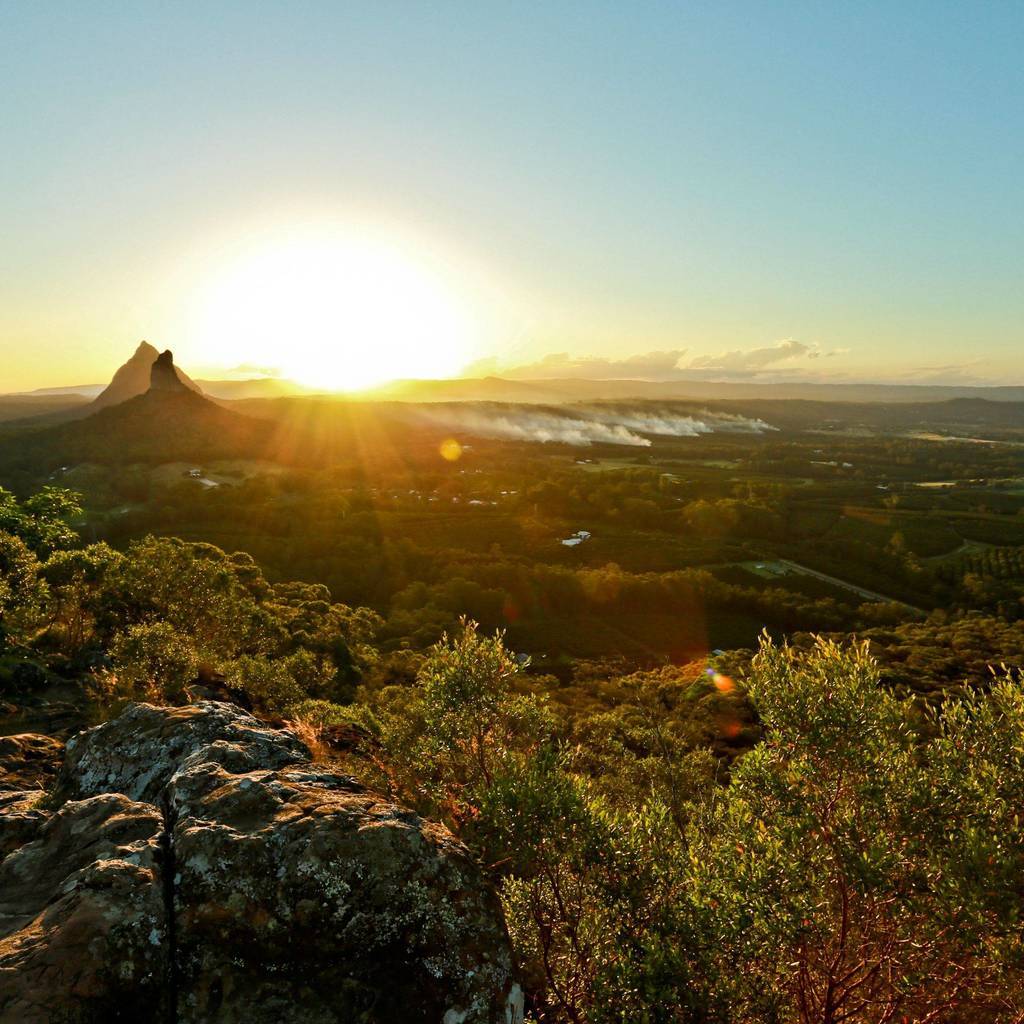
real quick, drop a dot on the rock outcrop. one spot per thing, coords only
(139, 751)
(163, 375)
(83, 919)
(28, 765)
(29, 761)
(201, 869)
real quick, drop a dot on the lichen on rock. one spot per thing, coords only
(82, 920)
(28, 765)
(279, 892)
(138, 752)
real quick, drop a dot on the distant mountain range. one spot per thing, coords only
(40, 407)
(497, 389)
(256, 387)
(132, 379)
(151, 412)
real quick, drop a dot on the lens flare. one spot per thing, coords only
(451, 450)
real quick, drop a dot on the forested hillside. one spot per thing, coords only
(792, 835)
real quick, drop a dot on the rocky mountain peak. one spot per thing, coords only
(145, 352)
(137, 375)
(163, 375)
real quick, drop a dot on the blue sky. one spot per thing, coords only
(840, 182)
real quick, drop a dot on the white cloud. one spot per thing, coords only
(666, 365)
(755, 359)
(244, 371)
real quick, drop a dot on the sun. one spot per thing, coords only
(334, 313)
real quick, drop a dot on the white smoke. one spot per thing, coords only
(583, 426)
(511, 425)
(655, 423)
(733, 423)
(669, 424)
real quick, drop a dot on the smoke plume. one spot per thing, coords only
(584, 426)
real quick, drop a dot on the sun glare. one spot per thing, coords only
(336, 314)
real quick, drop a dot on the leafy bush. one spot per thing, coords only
(151, 661)
(22, 593)
(266, 685)
(853, 865)
(321, 714)
(43, 520)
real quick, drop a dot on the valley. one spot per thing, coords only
(726, 521)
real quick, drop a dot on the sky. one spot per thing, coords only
(338, 190)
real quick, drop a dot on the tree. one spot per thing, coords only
(471, 715)
(203, 593)
(855, 870)
(463, 724)
(77, 582)
(42, 521)
(151, 661)
(269, 686)
(334, 639)
(21, 591)
(583, 883)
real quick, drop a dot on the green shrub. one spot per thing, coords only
(150, 661)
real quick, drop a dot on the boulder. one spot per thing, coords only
(29, 761)
(83, 926)
(21, 817)
(275, 891)
(304, 898)
(138, 752)
(28, 765)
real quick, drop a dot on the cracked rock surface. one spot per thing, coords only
(82, 919)
(201, 870)
(28, 765)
